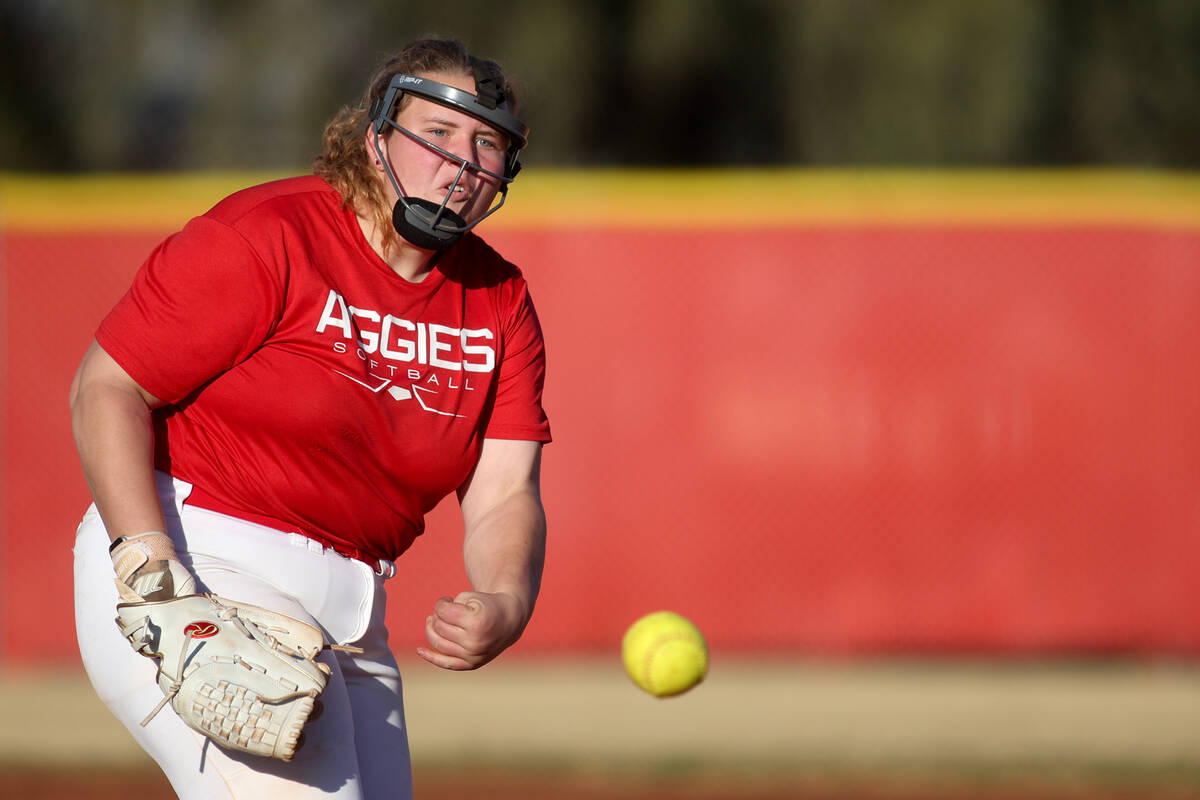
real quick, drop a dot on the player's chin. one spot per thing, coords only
(472, 211)
(480, 202)
(468, 210)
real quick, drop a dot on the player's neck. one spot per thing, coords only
(409, 262)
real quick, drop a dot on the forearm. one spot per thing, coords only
(115, 438)
(504, 550)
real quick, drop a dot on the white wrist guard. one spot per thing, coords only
(148, 568)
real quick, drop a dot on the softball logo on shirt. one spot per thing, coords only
(403, 346)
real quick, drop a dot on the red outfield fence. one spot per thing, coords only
(816, 412)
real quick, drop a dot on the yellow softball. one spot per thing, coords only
(665, 654)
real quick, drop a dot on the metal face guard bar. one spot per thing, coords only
(463, 166)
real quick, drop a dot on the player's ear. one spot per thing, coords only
(369, 144)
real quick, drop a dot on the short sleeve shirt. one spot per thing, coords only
(308, 387)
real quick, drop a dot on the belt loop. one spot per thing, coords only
(380, 566)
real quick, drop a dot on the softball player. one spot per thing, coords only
(292, 381)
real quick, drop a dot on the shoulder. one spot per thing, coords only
(286, 197)
(260, 226)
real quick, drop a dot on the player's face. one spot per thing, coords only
(423, 172)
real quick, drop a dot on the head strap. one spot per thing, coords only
(490, 105)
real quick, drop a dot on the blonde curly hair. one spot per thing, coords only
(344, 161)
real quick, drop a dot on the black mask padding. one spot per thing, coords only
(489, 93)
(418, 230)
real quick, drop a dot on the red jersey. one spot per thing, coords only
(310, 388)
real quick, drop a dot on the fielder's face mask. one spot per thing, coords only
(424, 223)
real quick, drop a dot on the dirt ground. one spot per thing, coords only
(752, 731)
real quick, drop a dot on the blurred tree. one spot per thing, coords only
(36, 130)
(689, 78)
(919, 82)
(196, 84)
(1119, 83)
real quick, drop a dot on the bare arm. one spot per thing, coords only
(110, 417)
(503, 550)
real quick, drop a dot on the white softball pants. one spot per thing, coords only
(357, 749)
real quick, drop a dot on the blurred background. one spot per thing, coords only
(126, 85)
(873, 333)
